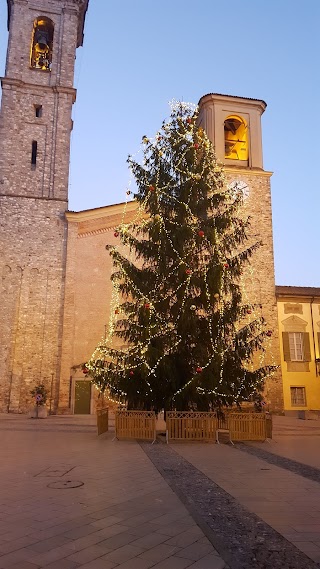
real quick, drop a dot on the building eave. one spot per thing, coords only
(9, 13)
(306, 293)
(82, 17)
(262, 105)
(100, 212)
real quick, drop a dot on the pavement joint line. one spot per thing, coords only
(305, 470)
(240, 537)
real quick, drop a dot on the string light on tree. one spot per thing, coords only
(186, 326)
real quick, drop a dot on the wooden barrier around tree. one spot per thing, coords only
(198, 426)
(247, 426)
(135, 425)
(191, 426)
(102, 420)
(269, 425)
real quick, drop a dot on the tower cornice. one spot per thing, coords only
(233, 99)
(82, 6)
(18, 84)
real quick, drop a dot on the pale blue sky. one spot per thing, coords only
(140, 54)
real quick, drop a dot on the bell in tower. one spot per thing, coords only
(41, 41)
(41, 51)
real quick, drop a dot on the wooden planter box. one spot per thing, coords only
(38, 412)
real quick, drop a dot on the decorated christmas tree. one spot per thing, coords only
(182, 335)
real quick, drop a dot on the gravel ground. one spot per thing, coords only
(304, 470)
(241, 538)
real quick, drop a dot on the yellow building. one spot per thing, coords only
(299, 332)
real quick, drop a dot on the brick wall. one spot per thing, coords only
(33, 201)
(258, 278)
(88, 290)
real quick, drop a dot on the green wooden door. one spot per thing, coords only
(82, 397)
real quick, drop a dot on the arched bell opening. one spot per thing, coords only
(236, 138)
(42, 42)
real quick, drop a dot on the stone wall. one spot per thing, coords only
(88, 290)
(33, 228)
(32, 271)
(258, 277)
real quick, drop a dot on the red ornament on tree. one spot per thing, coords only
(116, 234)
(147, 305)
(226, 266)
(201, 233)
(199, 370)
(85, 370)
(151, 188)
(131, 372)
(188, 271)
(196, 145)
(269, 333)
(189, 120)
(116, 311)
(249, 311)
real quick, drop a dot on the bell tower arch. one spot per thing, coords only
(35, 128)
(233, 125)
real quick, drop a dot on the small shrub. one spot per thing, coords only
(39, 393)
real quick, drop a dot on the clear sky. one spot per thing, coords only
(140, 54)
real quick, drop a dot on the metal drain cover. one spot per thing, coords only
(65, 484)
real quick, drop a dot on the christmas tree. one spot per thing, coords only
(189, 341)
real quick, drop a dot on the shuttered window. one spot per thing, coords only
(296, 346)
(298, 396)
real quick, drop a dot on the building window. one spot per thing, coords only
(298, 396)
(296, 346)
(34, 152)
(38, 111)
(41, 45)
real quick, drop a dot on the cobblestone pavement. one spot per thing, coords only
(287, 502)
(305, 470)
(295, 439)
(70, 499)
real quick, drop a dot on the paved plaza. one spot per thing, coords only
(72, 499)
(121, 514)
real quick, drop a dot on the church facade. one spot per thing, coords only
(54, 265)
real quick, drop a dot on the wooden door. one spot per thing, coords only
(82, 398)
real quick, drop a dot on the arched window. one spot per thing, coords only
(41, 47)
(236, 138)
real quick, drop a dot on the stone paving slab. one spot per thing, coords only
(124, 515)
(285, 501)
(301, 449)
(242, 538)
(284, 426)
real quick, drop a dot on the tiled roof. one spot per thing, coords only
(231, 96)
(297, 291)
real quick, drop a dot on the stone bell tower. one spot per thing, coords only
(233, 125)
(35, 127)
